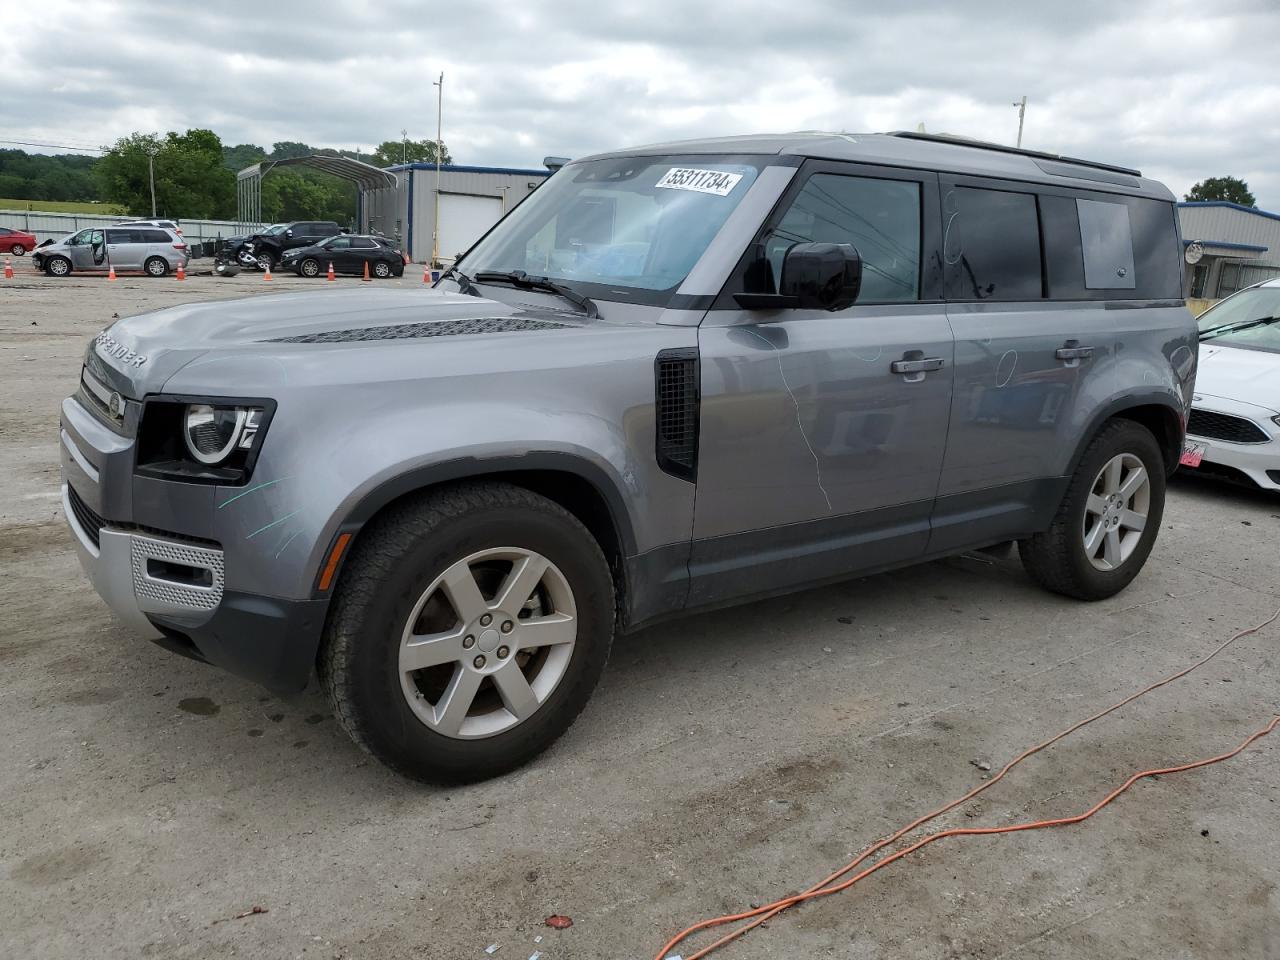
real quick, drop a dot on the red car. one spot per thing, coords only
(16, 242)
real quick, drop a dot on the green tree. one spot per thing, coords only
(190, 177)
(1231, 189)
(391, 152)
(242, 155)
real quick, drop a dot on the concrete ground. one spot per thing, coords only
(728, 759)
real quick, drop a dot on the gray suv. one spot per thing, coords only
(673, 378)
(131, 248)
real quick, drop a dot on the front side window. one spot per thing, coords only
(336, 243)
(992, 246)
(80, 239)
(881, 218)
(627, 228)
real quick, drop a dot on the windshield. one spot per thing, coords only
(1247, 320)
(275, 228)
(618, 229)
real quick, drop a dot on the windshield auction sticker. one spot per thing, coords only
(700, 181)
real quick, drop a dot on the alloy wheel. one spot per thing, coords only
(487, 643)
(1115, 513)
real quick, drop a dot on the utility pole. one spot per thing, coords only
(404, 146)
(151, 176)
(1022, 112)
(435, 234)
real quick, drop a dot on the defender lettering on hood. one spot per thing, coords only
(118, 351)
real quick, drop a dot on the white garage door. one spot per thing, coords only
(464, 220)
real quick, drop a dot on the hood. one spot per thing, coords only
(1249, 376)
(137, 355)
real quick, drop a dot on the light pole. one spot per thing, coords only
(1022, 112)
(435, 234)
(404, 146)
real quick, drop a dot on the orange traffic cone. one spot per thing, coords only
(182, 273)
(267, 274)
(426, 273)
(366, 270)
(8, 269)
(331, 275)
(111, 272)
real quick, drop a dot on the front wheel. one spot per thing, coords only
(309, 268)
(57, 266)
(1107, 523)
(469, 628)
(266, 262)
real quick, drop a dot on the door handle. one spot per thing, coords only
(1072, 351)
(916, 364)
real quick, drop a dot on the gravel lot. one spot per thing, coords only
(725, 760)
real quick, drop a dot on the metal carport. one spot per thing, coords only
(365, 176)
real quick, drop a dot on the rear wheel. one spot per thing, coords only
(57, 266)
(1108, 521)
(156, 266)
(469, 628)
(309, 268)
(17, 249)
(382, 270)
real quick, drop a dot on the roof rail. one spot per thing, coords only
(1001, 148)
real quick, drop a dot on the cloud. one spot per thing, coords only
(1182, 90)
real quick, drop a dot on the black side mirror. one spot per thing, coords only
(822, 276)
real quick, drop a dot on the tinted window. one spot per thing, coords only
(992, 246)
(1156, 265)
(324, 229)
(119, 236)
(362, 243)
(881, 218)
(154, 236)
(338, 243)
(5, 231)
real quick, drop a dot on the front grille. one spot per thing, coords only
(89, 521)
(676, 414)
(1223, 426)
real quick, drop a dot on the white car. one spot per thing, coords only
(1235, 413)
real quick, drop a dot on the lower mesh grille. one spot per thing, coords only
(88, 520)
(1223, 426)
(676, 412)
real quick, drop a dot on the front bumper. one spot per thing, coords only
(172, 589)
(1260, 461)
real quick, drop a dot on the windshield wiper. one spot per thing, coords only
(518, 278)
(1233, 327)
(464, 282)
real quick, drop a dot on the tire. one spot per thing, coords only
(156, 267)
(266, 262)
(1060, 559)
(57, 267)
(382, 270)
(387, 588)
(309, 268)
(18, 250)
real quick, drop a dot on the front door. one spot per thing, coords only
(338, 251)
(88, 250)
(816, 457)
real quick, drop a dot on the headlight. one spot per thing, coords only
(212, 433)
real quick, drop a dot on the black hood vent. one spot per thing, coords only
(434, 328)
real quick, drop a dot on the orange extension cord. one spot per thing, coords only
(824, 888)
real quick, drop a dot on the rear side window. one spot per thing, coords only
(1088, 242)
(154, 236)
(362, 243)
(992, 246)
(881, 218)
(120, 236)
(323, 229)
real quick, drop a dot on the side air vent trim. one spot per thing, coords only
(676, 411)
(430, 328)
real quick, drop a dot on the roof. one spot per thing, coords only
(1231, 206)
(365, 175)
(462, 168)
(943, 154)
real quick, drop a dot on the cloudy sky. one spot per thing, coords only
(1181, 89)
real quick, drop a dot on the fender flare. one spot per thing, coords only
(475, 467)
(1118, 405)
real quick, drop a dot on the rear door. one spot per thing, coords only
(364, 250)
(1021, 361)
(123, 250)
(815, 457)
